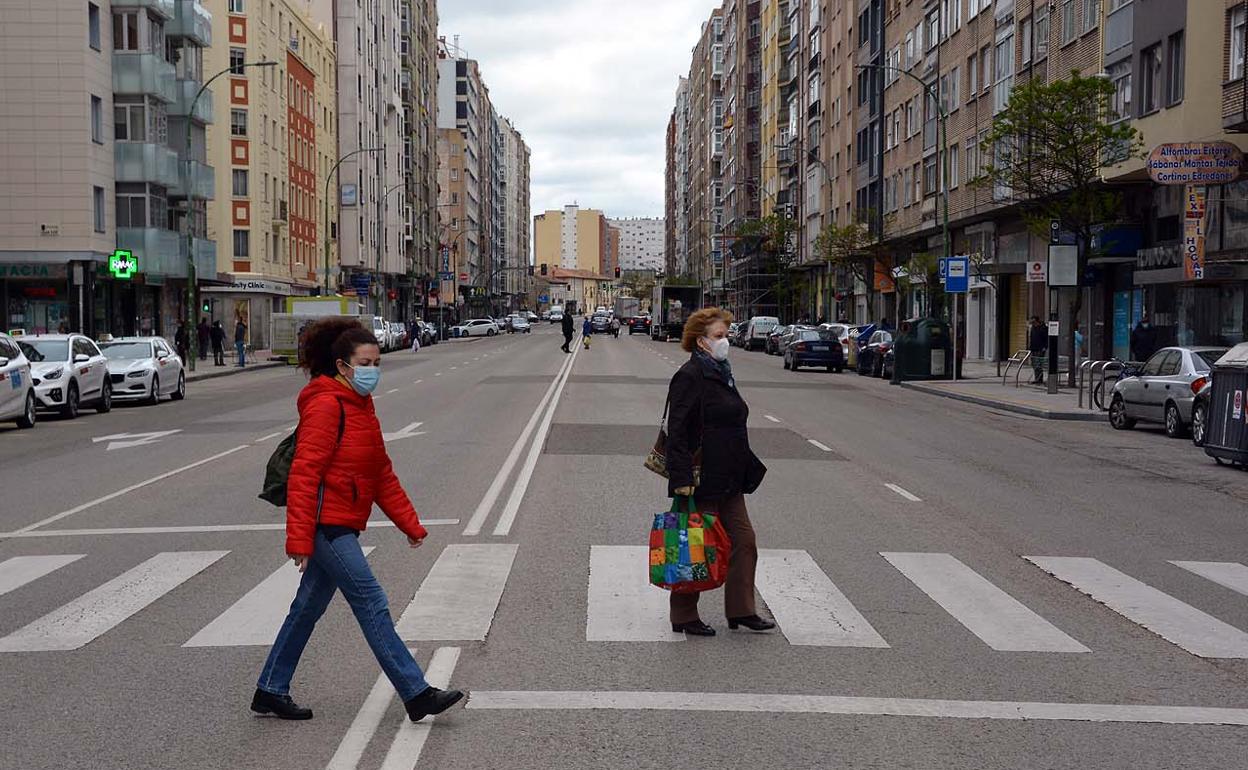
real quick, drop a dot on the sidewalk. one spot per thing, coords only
(256, 361)
(982, 386)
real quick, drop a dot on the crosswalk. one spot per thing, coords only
(459, 598)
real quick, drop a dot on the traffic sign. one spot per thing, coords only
(943, 263)
(957, 278)
(543, 298)
(446, 276)
(463, 278)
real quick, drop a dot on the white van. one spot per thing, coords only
(556, 313)
(757, 331)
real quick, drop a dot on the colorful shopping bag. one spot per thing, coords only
(688, 549)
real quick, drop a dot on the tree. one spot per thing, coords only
(1045, 152)
(853, 249)
(774, 235)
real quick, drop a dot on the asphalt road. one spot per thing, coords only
(955, 587)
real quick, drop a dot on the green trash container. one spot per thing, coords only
(924, 351)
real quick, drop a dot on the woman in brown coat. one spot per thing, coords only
(707, 412)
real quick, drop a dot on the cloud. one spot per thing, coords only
(590, 85)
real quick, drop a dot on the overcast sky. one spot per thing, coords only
(590, 84)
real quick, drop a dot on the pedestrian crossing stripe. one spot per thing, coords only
(459, 597)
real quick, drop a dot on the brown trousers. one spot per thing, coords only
(742, 562)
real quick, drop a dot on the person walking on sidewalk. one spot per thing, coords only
(217, 333)
(1038, 344)
(203, 333)
(707, 412)
(240, 341)
(566, 325)
(340, 470)
(1143, 340)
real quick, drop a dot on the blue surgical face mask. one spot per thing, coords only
(364, 379)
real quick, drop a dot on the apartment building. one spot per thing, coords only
(268, 212)
(418, 90)
(705, 190)
(678, 221)
(517, 285)
(642, 243)
(571, 238)
(98, 101)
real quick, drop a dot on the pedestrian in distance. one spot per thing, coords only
(340, 469)
(181, 341)
(414, 333)
(217, 334)
(587, 331)
(567, 327)
(240, 341)
(1038, 344)
(203, 332)
(1143, 340)
(706, 411)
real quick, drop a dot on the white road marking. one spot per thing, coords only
(512, 508)
(195, 529)
(408, 431)
(909, 496)
(120, 492)
(393, 390)
(1164, 615)
(460, 595)
(819, 445)
(853, 706)
(417, 382)
(96, 612)
(769, 417)
(130, 440)
(439, 374)
(477, 520)
(255, 618)
(998, 619)
(623, 606)
(364, 726)
(270, 437)
(808, 606)
(1227, 574)
(410, 739)
(453, 368)
(20, 570)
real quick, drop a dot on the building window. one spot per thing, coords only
(97, 202)
(138, 120)
(97, 119)
(236, 6)
(242, 243)
(953, 166)
(239, 179)
(1068, 21)
(1174, 69)
(238, 122)
(126, 31)
(1150, 79)
(931, 181)
(1091, 14)
(93, 25)
(985, 62)
(1042, 31)
(1239, 19)
(237, 57)
(918, 183)
(1025, 41)
(1004, 84)
(1120, 76)
(972, 159)
(972, 76)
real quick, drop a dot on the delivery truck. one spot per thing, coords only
(670, 307)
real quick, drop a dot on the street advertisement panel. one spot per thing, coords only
(286, 328)
(1195, 163)
(1063, 266)
(1194, 217)
(1122, 324)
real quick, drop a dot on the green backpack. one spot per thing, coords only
(277, 472)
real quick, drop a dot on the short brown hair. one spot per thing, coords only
(699, 322)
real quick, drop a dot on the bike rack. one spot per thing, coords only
(1106, 366)
(1020, 358)
(1084, 369)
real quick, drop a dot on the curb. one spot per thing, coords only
(1031, 411)
(231, 370)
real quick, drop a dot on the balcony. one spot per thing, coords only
(205, 252)
(186, 90)
(280, 214)
(145, 162)
(203, 182)
(138, 74)
(192, 21)
(165, 8)
(158, 250)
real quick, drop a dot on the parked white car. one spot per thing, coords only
(477, 327)
(17, 392)
(68, 371)
(144, 368)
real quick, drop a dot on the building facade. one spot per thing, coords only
(418, 90)
(571, 238)
(642, 243)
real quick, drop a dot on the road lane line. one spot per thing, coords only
(769, 417)
(1175, 621)
(393, 390)
(439, 374)
(409, 741)
(417, 382)
(120, 492)
(460, 595)
(911, 497)
(819, 445)
(998, 619)
(269, 437)
(751, 703)
(479, 516)
(194, 529)
(1226, 574)
(364, 726)
(623, 606)
(512, 508)
(96, 612)
(256, 617)
(807, 605)
(20, 570)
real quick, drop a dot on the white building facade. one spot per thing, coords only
(642, 244)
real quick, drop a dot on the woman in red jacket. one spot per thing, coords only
(340, 470)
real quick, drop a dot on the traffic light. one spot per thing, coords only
(530, 271)
(206, 306)
(543, 268)
(617, 271)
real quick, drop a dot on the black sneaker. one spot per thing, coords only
(280, 706)
(431, 701)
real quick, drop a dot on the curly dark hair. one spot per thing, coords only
(325, 342)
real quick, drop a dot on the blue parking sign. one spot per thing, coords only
(944, 269)
(957, 275)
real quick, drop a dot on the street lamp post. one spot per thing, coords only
(328, 178)
(381, 229)
(192, 288)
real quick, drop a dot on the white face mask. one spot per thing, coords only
(718, 348)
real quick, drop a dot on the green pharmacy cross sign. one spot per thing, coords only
(123, 264)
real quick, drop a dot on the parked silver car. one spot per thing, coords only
(1163, 390)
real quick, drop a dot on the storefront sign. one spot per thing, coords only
(1194, 211)
(251, 287)
(1037, 271)
(1195, 163)
(33, 270)
(123, 265)
(1158, 257)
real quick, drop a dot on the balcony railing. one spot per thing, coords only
(280, 214)
(203, 181)
(186, 90)
(139, 74)
(205, 252)
(145, 162)
(157, 250)
(192, 21)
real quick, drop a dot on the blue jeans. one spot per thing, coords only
(340, 565)
(242, 353)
